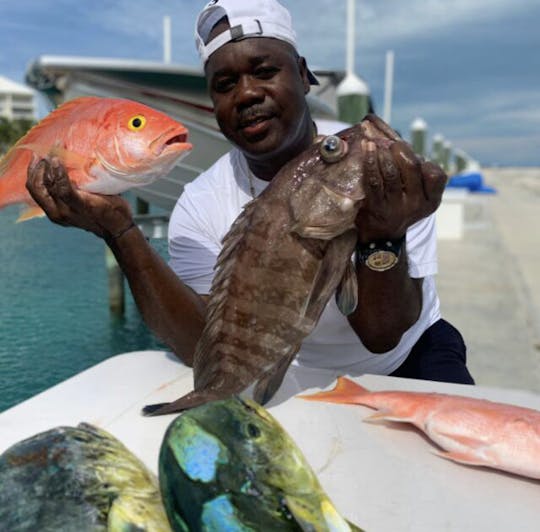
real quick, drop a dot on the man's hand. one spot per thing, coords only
(50, 187)
(400, 190)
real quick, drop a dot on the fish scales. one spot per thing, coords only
(282, 260)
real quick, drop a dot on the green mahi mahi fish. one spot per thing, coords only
(225, 466)
(229, 466)
(77, 479)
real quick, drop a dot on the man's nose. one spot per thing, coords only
(249, 90)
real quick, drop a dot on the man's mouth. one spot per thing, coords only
(254, 124)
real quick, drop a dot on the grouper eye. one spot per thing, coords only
(332, 148)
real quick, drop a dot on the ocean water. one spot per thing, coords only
(54, 315)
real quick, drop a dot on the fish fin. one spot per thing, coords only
(302, 513)
(308, 512)
(463, 457)
(467, 441)
(347, 290)
(386, 414)
(354, 528)
(329, 276)
(70, 159)
(346, 391)
(7, 159)
(29, 139)
(190, 400)
(31, 212)
(269, 383)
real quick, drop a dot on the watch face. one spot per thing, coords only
(381, 260)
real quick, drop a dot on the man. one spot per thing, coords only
(258, 82)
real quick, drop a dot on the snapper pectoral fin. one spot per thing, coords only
(70, 159)
(29, 213)
(463, 457)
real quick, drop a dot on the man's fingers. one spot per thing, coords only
(409, 168)
(373, 179)
(383, 127)
(435, 180)
(58, 183)
(38, 169)
(391, 176)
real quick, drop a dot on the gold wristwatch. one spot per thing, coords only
(380, 255)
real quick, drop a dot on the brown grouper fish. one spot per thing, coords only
(285, 255)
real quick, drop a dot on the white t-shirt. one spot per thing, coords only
(208, 207)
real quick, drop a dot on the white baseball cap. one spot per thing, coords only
(247, 19)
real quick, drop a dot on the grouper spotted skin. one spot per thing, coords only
(229, 466)
(285, 255)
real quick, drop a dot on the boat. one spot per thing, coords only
(178, 90)
(378, 477)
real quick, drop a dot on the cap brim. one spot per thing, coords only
(311, 77)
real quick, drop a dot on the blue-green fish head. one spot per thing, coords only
(231, 462)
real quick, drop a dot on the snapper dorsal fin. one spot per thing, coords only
(30, 140)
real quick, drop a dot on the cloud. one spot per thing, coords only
(466, 66)
(143, 21)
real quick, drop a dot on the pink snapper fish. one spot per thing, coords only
(471, 431)
(107, 145)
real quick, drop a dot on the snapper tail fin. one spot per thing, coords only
(13, 170)
(32, 211)
(346, 391)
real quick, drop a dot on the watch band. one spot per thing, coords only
(380, 255)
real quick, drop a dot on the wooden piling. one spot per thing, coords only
(115, 279)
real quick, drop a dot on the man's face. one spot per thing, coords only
(258, 88)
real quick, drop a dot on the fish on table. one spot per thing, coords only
(229, 465)
(108, 145)
(285, 255)
(223, 466)
(77, 479)
(470, 431)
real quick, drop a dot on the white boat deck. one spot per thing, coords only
(384, 477)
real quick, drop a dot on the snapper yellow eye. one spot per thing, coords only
(137, 122)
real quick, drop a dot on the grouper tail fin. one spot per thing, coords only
(190, 400)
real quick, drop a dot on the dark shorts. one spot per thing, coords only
(439, 355)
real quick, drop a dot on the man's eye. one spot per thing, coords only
(266, 72)
(223, 84)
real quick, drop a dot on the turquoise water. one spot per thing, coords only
(54, 315)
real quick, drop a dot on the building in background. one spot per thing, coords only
(16, 101)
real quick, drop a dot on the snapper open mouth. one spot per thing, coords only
(182, 139)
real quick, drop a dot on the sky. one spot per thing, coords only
(469, 68)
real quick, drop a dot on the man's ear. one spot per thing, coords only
(302, 67)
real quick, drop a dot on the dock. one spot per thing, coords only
(489, 280)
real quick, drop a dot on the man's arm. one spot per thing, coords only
(400, 190)
(171, 309)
